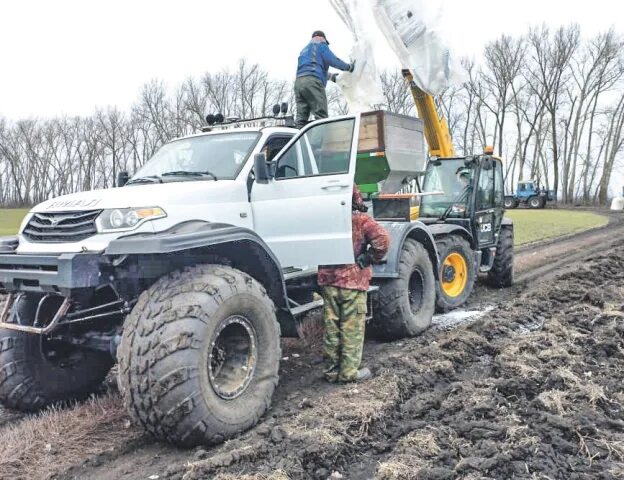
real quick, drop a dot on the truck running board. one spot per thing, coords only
(306, 307)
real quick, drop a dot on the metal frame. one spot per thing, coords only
(62, 311)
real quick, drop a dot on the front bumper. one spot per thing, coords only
(47, 273)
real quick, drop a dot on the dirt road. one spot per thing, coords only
(530, 389)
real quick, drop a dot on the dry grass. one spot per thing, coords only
(276, 475)
(554, 400)
(421, 443)
(524, 364)
(322, 435)
(57, 439)
(401, 468)
(311, 329)
(518, 432)
(594, 393)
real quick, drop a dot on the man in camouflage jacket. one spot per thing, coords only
(344, 290)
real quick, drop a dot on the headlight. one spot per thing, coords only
(120, 219)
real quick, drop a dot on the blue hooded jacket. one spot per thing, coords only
(315, 60)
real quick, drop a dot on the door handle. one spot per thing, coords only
(335, 185)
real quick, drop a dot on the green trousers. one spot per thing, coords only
(311, 99)
(345, 321)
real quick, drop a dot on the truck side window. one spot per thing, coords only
(274, 145)
(325, 149)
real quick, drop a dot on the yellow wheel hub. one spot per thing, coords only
(454, 274)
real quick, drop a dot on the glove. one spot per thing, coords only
(352, 66)
(364, 260)
(333, 77)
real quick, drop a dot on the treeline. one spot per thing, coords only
(551, 102)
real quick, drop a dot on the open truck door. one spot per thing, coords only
(303, 211)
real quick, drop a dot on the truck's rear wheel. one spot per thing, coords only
(199, 356)
(457, 273)
(501, 274)
(37, 371)
(405, 305)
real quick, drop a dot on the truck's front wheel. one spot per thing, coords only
(37, 371)
(405, 305)
(199, 356)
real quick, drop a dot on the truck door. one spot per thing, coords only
(489, 200)
(304, 213)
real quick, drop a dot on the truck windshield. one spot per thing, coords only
(211, 157)
(448, 181)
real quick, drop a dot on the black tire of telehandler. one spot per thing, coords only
(29, 381)
(167, 344)
(446, 246)
(502, 273)
(394, 316)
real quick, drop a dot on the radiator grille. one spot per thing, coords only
(64, 227)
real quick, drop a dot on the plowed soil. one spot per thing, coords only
(533, 388)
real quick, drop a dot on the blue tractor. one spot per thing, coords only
(529, 193)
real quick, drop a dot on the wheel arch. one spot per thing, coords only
(399, 232)
(507, 222)
(439, 230)
(194, 242)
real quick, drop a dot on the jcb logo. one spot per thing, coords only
(486, 227)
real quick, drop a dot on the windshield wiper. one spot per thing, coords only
(458, 199)
(148, 179)
(184, 173)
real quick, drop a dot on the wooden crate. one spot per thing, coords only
(381, 130)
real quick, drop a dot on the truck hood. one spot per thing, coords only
(152, 195)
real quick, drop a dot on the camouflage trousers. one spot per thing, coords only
(345, 322)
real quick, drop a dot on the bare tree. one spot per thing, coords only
(551, 55)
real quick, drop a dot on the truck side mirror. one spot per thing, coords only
(122, 178)
(262, 171)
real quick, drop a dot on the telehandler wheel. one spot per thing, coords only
(37, 371)
(535, 202)
(199, 355)
(405, 305)
(457, 273)
(501, 274)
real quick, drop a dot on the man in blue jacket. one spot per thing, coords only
(312, 75)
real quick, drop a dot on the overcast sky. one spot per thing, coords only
(70, 56)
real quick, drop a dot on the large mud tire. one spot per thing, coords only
(169, 371)
(405, 306)
(35, 374)
(454, 293)
(502, 273)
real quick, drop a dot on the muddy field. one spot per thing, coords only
(530, 389)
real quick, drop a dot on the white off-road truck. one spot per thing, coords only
(189, 273)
